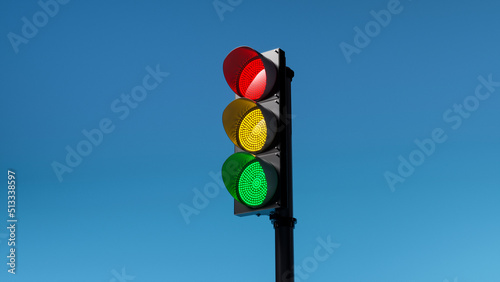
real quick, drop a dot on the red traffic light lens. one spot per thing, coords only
(252, 80)
(249, 74)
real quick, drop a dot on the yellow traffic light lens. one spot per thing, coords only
(252, 131)
(249, 126)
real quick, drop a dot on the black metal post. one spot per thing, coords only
(283, 220)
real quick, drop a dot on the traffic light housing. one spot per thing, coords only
(258, 174)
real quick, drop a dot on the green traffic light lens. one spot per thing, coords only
(252, 185)
(250, 180)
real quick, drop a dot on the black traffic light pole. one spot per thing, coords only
(283, 220)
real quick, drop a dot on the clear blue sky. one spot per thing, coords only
(395, 147)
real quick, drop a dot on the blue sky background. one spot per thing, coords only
(116, 215)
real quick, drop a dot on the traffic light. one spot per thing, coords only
(258, 174)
